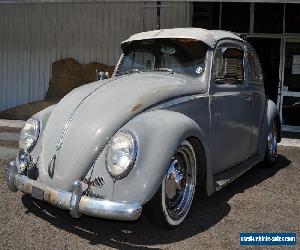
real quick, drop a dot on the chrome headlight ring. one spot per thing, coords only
(121, 153)
(29, 135)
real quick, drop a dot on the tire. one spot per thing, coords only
(171, 204)
(271, 148)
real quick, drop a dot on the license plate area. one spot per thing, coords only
(37, 193)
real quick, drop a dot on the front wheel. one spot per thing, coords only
(271, 149)
(172, 202)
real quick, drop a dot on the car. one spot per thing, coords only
(184, 107)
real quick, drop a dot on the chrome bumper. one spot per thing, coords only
(73, 201)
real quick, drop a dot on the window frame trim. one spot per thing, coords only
(231, 43)
(250, 49)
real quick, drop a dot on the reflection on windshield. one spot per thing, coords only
(180, 56)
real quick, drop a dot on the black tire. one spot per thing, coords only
(271, 147)
(171, 204)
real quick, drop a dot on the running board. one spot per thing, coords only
(224, 178)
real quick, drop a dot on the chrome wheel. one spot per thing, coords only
(272, 142)
(179, 184)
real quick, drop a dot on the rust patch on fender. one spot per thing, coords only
(136, 107)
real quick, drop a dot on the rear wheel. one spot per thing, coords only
(172, 202)
(271, 149)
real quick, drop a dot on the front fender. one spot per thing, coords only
(42, 116)
(158, 133)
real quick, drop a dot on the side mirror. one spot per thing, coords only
(101, 75)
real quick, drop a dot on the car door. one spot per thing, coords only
(230, 106)
(258, 97)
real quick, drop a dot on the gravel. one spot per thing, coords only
(12, 123)
(6, 136)
(7, 153)
(261, 200)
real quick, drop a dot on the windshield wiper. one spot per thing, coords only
(129, 72)
(165, 70)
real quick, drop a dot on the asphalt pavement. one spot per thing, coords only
(261, 200)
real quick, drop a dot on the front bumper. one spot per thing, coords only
(74, 201)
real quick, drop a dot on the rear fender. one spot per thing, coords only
(271, 114)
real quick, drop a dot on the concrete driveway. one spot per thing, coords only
(262, 200)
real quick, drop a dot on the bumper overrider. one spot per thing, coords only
(74, 201)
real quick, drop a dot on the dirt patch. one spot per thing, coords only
(24, 112)
(68, 74)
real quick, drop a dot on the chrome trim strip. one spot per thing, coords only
(126, 211)
(67, 125)
(176, 101)
(73, 201)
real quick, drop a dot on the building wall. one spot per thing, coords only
(32, 36)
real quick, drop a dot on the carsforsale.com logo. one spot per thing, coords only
(261, 239)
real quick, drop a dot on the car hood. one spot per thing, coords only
(83, 121)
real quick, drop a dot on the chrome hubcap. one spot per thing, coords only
(180, 182)
(272, 142)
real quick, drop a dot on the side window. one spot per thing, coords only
(229, 66)
(255, 74)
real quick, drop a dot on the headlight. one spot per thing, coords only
(121, 154)
(29, 134)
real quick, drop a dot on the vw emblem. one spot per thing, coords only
(51, 166)
(199, 70)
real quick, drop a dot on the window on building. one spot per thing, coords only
(228, 66)
(206, 15)
(255, 74)
(268, 50)
(235, 17)
(291, 111)
(268, 18)
(292, 18)
(292, 67)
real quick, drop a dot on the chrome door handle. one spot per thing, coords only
(248, 98)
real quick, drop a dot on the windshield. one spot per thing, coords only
(181, 56)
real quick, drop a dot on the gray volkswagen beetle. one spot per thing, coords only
(184, 107)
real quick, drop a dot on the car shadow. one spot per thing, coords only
(141, 233)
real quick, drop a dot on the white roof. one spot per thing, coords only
(207, 36)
